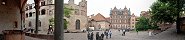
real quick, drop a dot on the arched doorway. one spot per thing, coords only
(77, 24)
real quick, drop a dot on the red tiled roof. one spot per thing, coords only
(99, 17)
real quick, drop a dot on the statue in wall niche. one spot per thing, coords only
(15, 24)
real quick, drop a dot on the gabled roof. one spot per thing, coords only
(107, 18)
(99, 17)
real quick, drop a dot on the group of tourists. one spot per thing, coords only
(90, 36)
(107, 34)
(123, 32)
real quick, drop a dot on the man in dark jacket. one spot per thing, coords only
(92, 36)
(102, 35)
(88, 36)
(97, 36)
(106, 34)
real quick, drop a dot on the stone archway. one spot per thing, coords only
(77, 24)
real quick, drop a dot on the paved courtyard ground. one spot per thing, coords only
(169, 34)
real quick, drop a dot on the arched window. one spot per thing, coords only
(43, 12)
(77, 24)
(30, 25)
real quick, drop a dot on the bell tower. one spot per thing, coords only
(83, 6)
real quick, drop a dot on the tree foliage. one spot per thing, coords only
(164, 11)
(145, 24)
(67, 12)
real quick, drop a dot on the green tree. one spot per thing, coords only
(163, 12)
(167, 11)
(67, 12)
(144, 24)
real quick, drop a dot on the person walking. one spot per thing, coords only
(119, 30)
(102, 36)
(92, 36)
(110, 33)
(88, 36)
(137, 32)
(32, 29)
(106, 34)
(97, 36)
(123, 32)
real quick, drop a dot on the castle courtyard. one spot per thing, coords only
(169, 34)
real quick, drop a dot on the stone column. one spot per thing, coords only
(59, 28)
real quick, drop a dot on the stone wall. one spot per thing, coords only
(43, 18)
(72, 22)
(9, 16)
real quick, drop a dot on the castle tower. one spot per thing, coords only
(70, 2)
(83, 6)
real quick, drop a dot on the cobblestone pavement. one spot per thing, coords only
(169, 34)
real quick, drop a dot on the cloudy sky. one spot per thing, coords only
(104, 6)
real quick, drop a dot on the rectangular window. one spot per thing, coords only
(30, 7)
(26, 15)
(125, 21)
(132, 22)
(43, 3)
(114, 21)
(30, 14)
(120, 21)
(132, 19)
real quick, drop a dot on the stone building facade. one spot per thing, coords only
(99, 22)
(46, 12)
(133, 21)
(120, 18)
(77, 20)
(10, 15)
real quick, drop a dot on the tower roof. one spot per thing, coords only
(125, 7)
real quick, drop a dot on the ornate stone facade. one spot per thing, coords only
(78, 20)
(133, 21)
(46, 12)
(120, 18)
